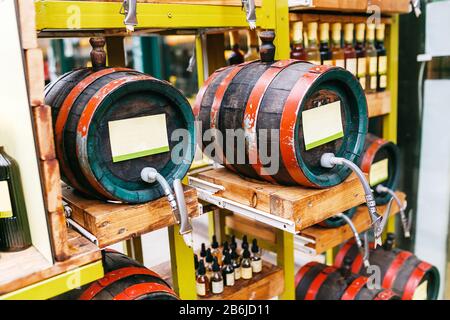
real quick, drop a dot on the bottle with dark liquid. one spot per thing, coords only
(337, 52)
(372, 61)
(209, 259)
(246, 265)
(360, 49)
(325, 52)
(14, 228)
(349, 49)
(228, 271)
(298, 50)
(256, 260)
(203, 252)
(202, 281)
(312, 49)
(216, 278)
(235, 262)
(382, 58)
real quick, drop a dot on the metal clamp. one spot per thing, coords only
(250, 9)
(129, 10)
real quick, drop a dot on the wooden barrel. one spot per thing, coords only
(266, 94)
(317, 281)
(378, 157)
(88, 104)
(401, 270)
(335, 222)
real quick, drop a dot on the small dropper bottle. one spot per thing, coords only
(244, 244)
(256, 260)
(202, 280)
(209, 259)
(225, 250)
(215, 250)
(216, 279)
(236, 264)
(228, 271)
(246, 265)
(196, 262)
(203, 251)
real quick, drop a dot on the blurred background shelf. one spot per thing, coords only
(386, 6)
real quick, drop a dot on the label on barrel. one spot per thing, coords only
(5, 201)
(322, 125)
(379, 172)
(421, 291)
(138, 137)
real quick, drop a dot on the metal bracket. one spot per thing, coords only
(300, 244)
(206, 192)
(76, 226)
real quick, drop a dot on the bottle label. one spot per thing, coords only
(382, 65)
(373, 82)
(229, 278)
(362, 67)
(373, 66)
(257, 266)
(379, 172)
(350, 65)
(362, 82)
(383, 82)
(201, 289)
(328, 62)
(339, 63)
(246, 273)
(217, 287)
(237, 273)
(5, 201)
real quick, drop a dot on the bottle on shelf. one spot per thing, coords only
(196, 262)
(372, 61)
(233, 243)
(215, 249)
(337, 52)
(246, 265)
(14, 228)
(203, 251)
(202, 281)
(253, 46)
(256, 260)
(349, 49)
(382, 58)
(325, 52)
(244, 244)
(298, 50)
(360, 49)
(236, 56)
(225, 249)
(228, 271)
(209, 259)
(236, 264)
(216, 278)
(312, 49)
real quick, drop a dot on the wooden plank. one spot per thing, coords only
(27, 20)
(35, 76)
(44, 132)
(267, 284)
(237, 3)
(386, 6)
(112, 223)
(58, 234)
(379, 104)
(251, 227)
(332, 18)
(20, 269)
(327, 238)
(51, 181)
(304, 206)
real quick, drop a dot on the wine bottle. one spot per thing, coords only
(337, 52)
(372, 62)
(298, 50)
(312, 50)
(325, 52)
(361, 54)
(382, 58)
(349, 50)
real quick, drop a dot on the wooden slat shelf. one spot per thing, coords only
(21, 269)
(322, 17)
(386, 6)
(267, 284)
(111, 223)
(302, 206)
(379, 104)
(327, 238)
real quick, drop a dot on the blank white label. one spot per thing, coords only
(138, 137)
(322, 125)
(256, 266)
(201, 289)
(5, 201)
(230, 279)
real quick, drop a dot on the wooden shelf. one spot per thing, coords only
(386, 6)
(21, 269)
(111, 223)
(303, 207)
(322, 17)
(379, 104)
(327, 238)
(267, 284)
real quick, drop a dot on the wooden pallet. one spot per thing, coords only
(20, 269)
(267, 284)
(325, 238)
(111, 223)
(303, 206)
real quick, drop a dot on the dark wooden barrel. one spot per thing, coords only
(317, 281)
(267, 94)
(401, 270)
(377, 150)
(85, 101)
(335, 222)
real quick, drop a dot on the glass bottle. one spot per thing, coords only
(372, 61)
(312, 49)
(14, 228)
(298, 50)
(382, 58)
(337, 52)
(253, 46)
(202, 281)
(236, 264)
(216, 278)
(244, 244)
(208, 263)
(256, 260)
(228, 271)
(349, 50)
(215, 250)
(225, 250)
(325, 52)
(196, 263)
(203, 251)
(361, 54)
(246, 266)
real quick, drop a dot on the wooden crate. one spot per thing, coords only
(111, 223)
(304, 206)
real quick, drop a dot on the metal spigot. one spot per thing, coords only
(129, 10)
(250, 9)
